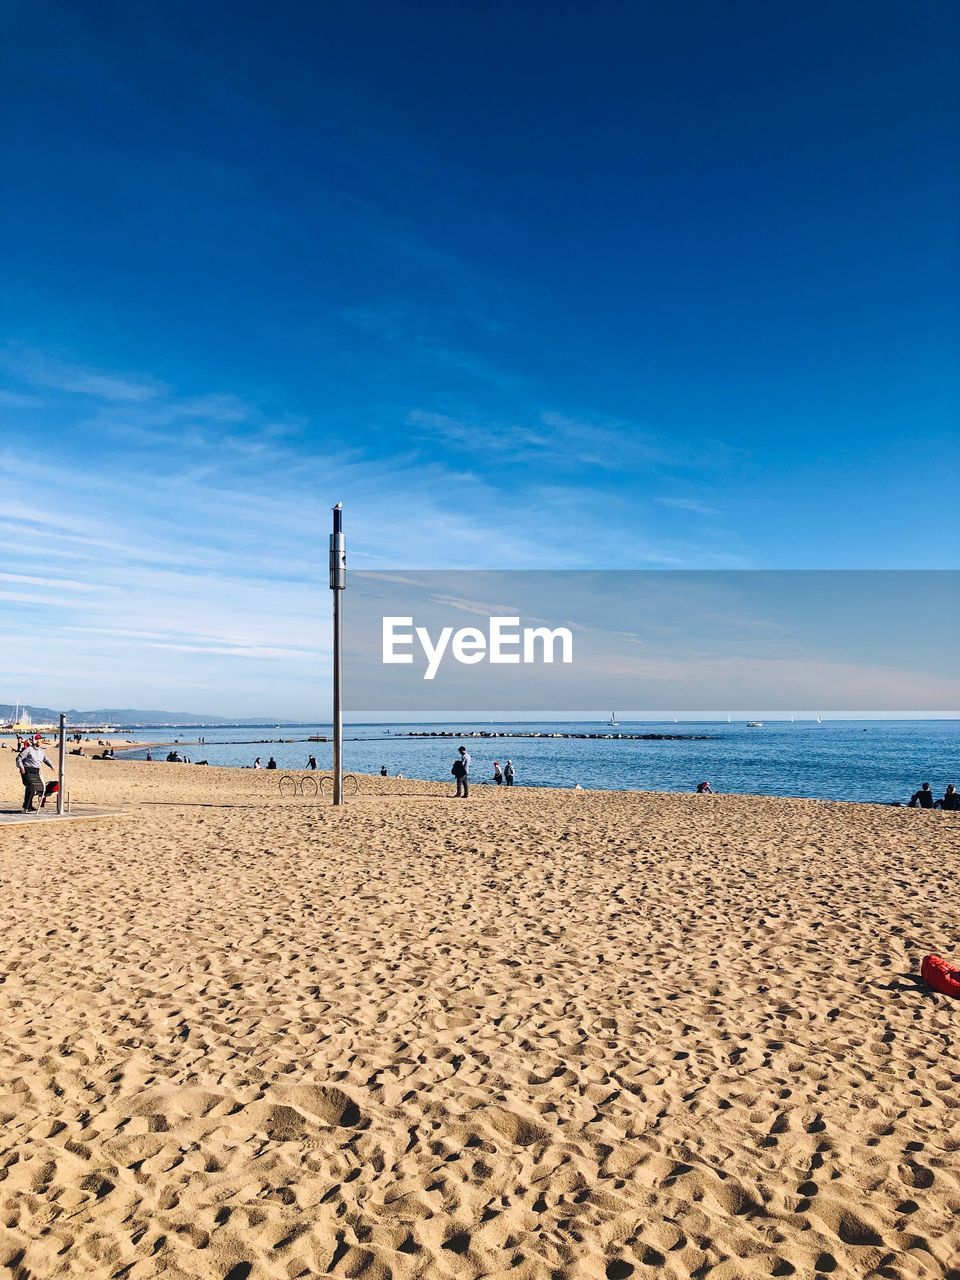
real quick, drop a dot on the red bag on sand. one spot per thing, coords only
(941, 975)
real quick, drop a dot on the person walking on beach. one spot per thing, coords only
(460, 770)
(922, 799)
(29, 759)
(508, 773)
(311, 762)
(497, 773)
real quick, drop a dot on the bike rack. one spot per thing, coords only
(291, 786)
(351, 785)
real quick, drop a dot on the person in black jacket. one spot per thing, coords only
(950, 801)
(922, 799)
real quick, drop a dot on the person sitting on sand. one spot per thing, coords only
(256, 764)
(383, 771)
(704, 789)
(271, 763)
(497, 773)
(922, 799)
(950, 801)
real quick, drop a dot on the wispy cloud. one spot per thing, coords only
(554, 440)
(18, 400)
(57, 584)
(43, 370)
(688, 504)
(451, 338)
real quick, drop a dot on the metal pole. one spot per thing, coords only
(62, 764)
(338, 580)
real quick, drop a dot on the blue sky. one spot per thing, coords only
(634, 286)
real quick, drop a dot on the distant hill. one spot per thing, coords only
(121, 716)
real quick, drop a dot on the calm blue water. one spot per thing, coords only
(841, 760)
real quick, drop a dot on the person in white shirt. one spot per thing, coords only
(29, 759)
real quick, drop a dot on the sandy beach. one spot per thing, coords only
(530, 1034)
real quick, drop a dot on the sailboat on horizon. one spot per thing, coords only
(613, 721)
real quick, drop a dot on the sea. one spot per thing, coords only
(881, 761)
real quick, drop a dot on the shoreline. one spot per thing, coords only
(374, 784)
(477, 734)
(884, 767)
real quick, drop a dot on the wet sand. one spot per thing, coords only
(530, 1034)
